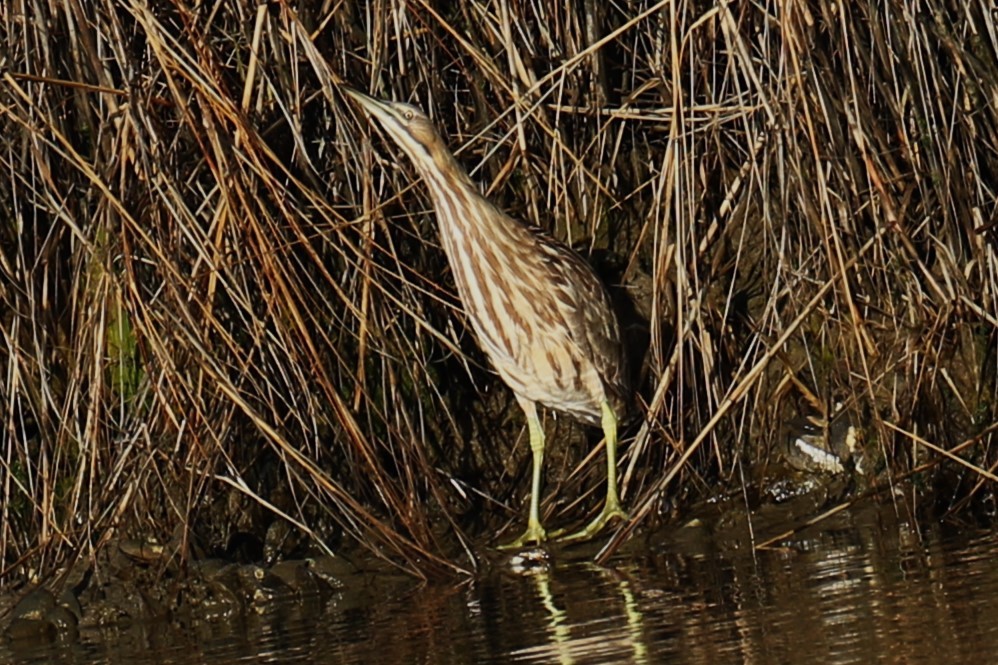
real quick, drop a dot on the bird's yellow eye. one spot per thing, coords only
(407, 114)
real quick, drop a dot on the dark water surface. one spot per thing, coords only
(865, 587)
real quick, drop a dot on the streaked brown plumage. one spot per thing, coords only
(539, 311)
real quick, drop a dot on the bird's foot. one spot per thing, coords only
(535, 534)
(611, 511)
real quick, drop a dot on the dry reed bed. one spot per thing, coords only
(224, 304)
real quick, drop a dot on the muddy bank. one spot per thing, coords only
(816, 480)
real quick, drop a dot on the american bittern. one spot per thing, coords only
(539, 311)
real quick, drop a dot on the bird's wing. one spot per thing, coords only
(587, 310)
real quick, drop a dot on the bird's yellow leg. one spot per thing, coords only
(611, 509)
(535, 532)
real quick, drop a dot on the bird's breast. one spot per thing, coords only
(521, 329)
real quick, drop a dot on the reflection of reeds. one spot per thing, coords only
(223, 300)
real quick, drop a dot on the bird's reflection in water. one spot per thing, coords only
(571, 640)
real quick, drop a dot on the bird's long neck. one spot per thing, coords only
(477, 237)
(461, 209)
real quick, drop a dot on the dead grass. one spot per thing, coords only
(223, 300)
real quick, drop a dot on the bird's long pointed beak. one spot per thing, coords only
(370, 105)
(356, 95)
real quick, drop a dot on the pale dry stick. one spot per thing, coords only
(651, 496)
(941, 451)
(626, 113)
(980, 311)
(239, 484)
(76, 85)
(867, 346)
(767, 544)
(494, 25)
(738, 46)
(735, 187)
(367, 233)
(261, 14)
(728, 203)
(658, 399)
(514, 66)
(948, 379)
(512, 63)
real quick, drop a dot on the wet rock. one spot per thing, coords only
(262, 584)
(39, 618)
(35, 605)
(298, 577)
(65, 622)
(31, 631)
(119, 599)
(200, 591)
(227, 577)
(68, 600)
(207, 568)
(212, 599)
(142, 550)
(251, 584)
(333, 570)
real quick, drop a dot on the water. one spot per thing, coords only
(865, 587)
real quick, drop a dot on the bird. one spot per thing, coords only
(539, 311)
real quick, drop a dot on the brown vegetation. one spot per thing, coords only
(223, 303)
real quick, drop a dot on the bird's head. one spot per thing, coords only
(407, 125)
